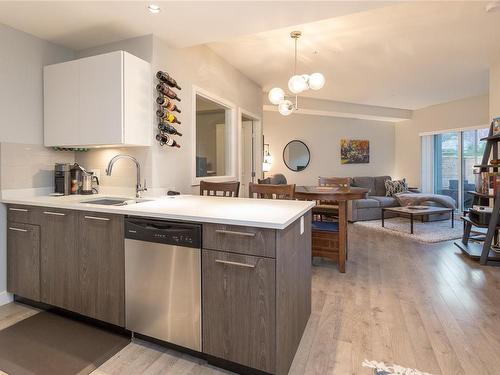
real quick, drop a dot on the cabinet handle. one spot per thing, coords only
(54, 213)
(18, 209)
(235, 233)
(18, 229)
(97, 218)
(238, 264)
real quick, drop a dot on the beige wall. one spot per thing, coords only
(469, 112)
(495, 90)
(322, 135)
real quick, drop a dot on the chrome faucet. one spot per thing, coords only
(138, 187)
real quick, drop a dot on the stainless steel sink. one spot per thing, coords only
(115, 201)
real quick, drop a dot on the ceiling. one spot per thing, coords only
(83, 24)
(406, 55)
(396, 54)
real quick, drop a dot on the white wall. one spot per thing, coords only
(201, 67)
(22, 57)
(322, 135)
(463, 113)
(165, 167)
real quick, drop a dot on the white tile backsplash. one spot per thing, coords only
(25, 166)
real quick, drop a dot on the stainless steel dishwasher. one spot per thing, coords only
(163, 280)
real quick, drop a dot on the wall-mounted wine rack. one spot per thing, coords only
(166, 109)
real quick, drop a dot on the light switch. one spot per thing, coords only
(302, 225)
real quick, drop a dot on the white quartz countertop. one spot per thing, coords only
(263, 213)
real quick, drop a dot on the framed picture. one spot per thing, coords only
(354, 151)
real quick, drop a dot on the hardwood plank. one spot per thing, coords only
(398, 296)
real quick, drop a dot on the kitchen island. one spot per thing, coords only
(255, 272)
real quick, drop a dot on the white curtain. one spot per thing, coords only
(427, 163)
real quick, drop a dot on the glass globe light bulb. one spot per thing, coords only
(285, 107)
(296, 84)
(276, 95)
(316, 81)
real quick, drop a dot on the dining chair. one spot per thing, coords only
(325, 237)
(220, 189)
(268, 191)
(327, 208)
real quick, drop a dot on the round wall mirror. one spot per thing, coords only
(296, 155)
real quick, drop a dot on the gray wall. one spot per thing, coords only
(22, 58)
(322, 135)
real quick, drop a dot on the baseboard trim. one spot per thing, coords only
(5, 298)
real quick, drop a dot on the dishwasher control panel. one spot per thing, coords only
(161, 231)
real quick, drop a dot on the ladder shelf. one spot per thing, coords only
(475, 241)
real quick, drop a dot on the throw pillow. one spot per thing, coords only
(394, 187)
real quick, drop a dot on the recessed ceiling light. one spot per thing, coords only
(153, 8)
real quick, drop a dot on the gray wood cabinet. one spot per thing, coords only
(102, 266)
(59, 258)
(23, 260)
(256, 293)
(239, 239)
(239, 308)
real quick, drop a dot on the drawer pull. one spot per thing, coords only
(18, 209)
(238, 264)
(232, 232)
(54, 213)
(97, 218)
(18, 229)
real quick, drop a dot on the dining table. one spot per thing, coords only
(341, 195)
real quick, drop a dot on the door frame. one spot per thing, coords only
(258, 147)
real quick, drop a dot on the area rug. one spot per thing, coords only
(49, 344)
(380, 368)
(429, 232)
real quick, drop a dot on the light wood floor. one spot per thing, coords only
(417, 305)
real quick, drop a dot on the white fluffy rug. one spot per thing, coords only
(435, 231)
(380, 368)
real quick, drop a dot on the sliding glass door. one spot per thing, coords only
(454, 157)
(447, 164)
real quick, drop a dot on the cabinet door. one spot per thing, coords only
(59, 258)
(137, 101)
(239, 308)
(61, 104)
(102, 266)
(100, 99)
(23, 260)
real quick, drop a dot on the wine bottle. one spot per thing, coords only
(167, 78)
(167, 128)
(167, 103)
(166, 115)
(165, 90)
(164, 139)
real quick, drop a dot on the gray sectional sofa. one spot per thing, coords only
(371, 207)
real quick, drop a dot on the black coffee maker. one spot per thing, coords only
(62, 178)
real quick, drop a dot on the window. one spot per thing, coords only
(454, 155)
(215, 132)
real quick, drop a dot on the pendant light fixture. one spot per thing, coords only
(296, 84)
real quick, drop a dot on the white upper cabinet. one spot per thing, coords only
(102, 100)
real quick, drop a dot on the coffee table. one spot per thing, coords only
(418, 211)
